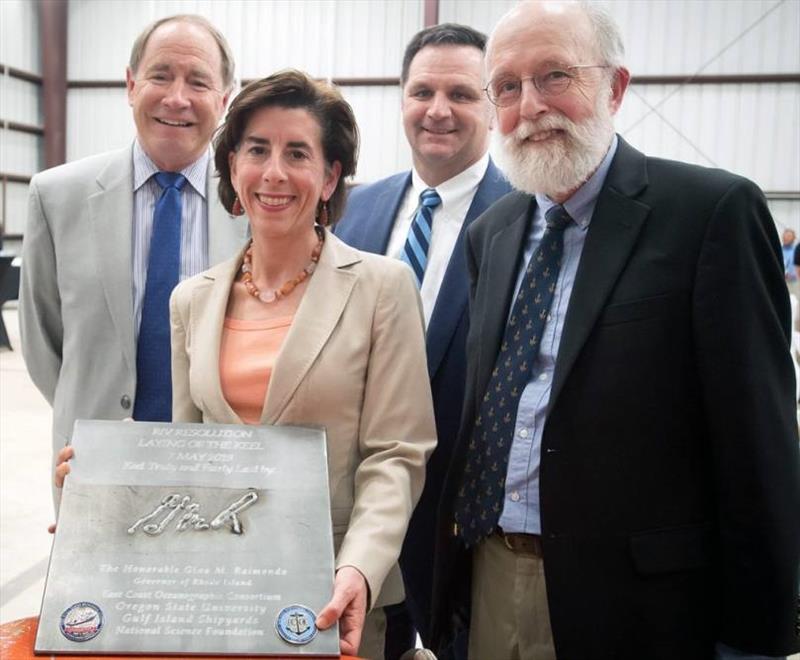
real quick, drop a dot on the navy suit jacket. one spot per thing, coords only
(367, 225)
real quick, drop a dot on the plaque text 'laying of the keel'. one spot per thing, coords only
(191, 539)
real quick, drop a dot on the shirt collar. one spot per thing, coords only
(144, 168)
(456, 188)
(581, 205)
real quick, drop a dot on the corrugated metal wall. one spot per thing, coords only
(747, 128)
(97, 120)
(19, 36)
(682, 36)
(750, 129)
(341, 38)
(384, 149)
(20, 101)
(710, 36)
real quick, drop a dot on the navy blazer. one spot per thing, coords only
(367, 224)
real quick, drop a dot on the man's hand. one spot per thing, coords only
(62, 470)
(62, 465)
(348, 606)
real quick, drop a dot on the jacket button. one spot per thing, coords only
(125, 401)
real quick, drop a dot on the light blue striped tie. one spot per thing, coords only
(415, 251)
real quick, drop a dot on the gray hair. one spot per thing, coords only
(607, 37)
(225, 53)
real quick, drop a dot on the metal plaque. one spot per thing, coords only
(191, 539)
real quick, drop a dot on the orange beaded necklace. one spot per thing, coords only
(288, 286)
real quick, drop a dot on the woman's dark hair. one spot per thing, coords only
(292, 89)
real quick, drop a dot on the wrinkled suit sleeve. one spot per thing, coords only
(41, 325)
(397, 433)
(741, 328)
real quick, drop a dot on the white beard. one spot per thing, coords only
(557, 166)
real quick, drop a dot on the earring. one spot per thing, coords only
(322, 216)
(237, 209)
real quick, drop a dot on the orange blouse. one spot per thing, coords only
(246, 358)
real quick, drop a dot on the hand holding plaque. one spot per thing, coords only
(348, 606)
(62, 464)
(189, 538)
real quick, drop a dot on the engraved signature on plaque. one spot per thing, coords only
(174, 504)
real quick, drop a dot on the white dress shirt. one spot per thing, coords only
(448, 218)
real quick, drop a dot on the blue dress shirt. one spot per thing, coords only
(521, 503)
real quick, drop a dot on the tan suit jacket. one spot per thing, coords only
(354, 362)
(76, 292)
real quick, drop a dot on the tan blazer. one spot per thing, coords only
(354, 362)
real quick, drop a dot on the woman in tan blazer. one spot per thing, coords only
(343, 340)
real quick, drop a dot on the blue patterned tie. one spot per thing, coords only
(153, 373)
(479, 501)
(415, 251)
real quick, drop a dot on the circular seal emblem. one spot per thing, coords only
(81, 622)
(295, 624)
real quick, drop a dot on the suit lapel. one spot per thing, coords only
(502, 265)
(315, 319)
(223, 240)
(612, 234)
(378, 229)
(110, 222)
(451, 301)
(209, 304)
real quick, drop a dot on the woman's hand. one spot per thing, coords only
(348, 606)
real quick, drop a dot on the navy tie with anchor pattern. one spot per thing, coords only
(479, 501)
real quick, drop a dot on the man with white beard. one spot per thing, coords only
(629, 425)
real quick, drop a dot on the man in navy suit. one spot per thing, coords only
(446, 117)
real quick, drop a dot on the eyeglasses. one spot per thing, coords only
(506, 90)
